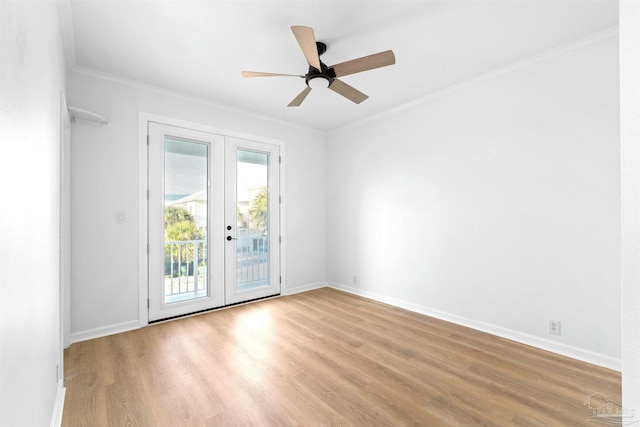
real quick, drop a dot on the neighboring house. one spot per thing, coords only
(196, 205)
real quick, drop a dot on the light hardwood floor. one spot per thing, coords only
(323, 357)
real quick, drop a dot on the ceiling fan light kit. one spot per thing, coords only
(322, 76)
(318, 83)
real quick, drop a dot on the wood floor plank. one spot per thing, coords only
(85, 386)
(323, 357)
(127, 405)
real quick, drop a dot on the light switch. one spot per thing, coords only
(121, 217)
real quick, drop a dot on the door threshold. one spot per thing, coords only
(208, 310)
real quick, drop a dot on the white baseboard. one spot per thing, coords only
(135, 324)
(58, 407)
(104, 331)
(521, 337)
(305, 288)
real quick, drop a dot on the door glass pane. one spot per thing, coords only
(252, 214)
(186, 177)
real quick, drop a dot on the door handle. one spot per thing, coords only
(231, 238)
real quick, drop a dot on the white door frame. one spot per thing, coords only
(143, 266)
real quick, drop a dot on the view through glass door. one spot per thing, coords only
(213, 209)
(252, 216)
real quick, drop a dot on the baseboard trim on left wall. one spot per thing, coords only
(58, 407)
(104, 331)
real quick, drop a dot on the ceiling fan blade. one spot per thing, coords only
(261, 74)
(377, 60)
(307, 41)
(352, 94)
(301, 96)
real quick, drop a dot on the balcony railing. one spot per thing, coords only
(185, 266)
(185, 269)
(252, 262)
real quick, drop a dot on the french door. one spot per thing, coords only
(214, 236)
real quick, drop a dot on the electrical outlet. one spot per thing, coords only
(121, 217)
(554, 327)
(355, 280)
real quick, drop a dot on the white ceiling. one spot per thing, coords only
(198, 48)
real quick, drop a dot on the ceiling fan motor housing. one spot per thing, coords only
(325, 73)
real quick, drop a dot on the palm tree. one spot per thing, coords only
(174, 214)
(180, 226)
(258, 212)
(183, 230)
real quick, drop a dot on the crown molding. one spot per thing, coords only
(135, 84)
(558, 51)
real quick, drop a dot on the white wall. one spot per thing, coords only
(630, 159)
(495, 205)
(104, 280)
(32, 77)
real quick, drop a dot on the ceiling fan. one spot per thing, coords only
(321, 75)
